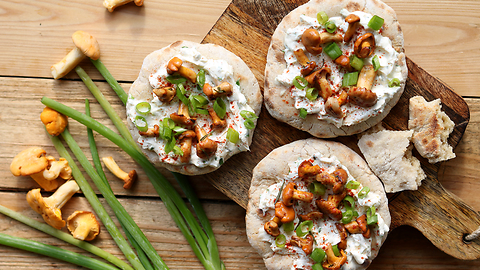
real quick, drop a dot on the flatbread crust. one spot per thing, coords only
(275, 166)
(281, 105)
(142, 89)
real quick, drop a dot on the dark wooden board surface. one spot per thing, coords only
(245, 29)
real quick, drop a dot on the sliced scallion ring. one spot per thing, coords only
(303, 113)
(177, 150)
(179, 130)
(280, 241)
(363, 193)
(375, 63)
(336, 251)
(332, 50)
(176, 79)
(248, 114)
(143, 107)
(353, 184)
(317, 188)
(311, 93)
(141, 123)
(304, 228)
(347, 216)
(317, 266)
(318, 255)
(330, 27)
(371, 216)
(170, 145)
(232, 135)
(220, 108)
(322, 17)
(395, 82)
(375, 23)
(350, 78)
(289, 226)
(200, 79)
(349, 202)
(300, 82)
(249, 124)
(356, 62)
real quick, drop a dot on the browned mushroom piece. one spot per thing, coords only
(307, 169)
(183, 117)
(333, 107)
(306, 244)
(321, 83)
(205, 146)
(337, 180)
(352, 21)
(333, 262)
(128, 178)
(362, 94)
(326, 37)
(353, 227)
(343, 236)
(290, 194)
(311, 77)
(314, 215)
(165, 94)
(284, 213)
(344, 61)
(223, 89)
(364, 45)
(186, 139)
(330, 206)
(307, 65)
(311, 40)
(151, 132)
(83, 225)
(272, 226)
(362, 224)
(174, 65)
(55, 122)
(217, 122)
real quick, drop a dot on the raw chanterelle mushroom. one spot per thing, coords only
(85, 45)
(83, 225)
(50, 207)
(54, 122)
(112, 4)
(127, 178)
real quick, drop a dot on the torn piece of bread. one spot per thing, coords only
(389, 155)
(431, 129)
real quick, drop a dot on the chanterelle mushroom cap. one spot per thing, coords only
(29, 161)
(83, 225)
(87, 44)
(54, 122)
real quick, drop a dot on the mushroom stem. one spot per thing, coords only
(165, 94)
(205, 146)
(69, 62)
(322, 84)
(326, 37)
(223, 89)
(62, 194)
(217, 122)
(186, 139)
(353, 21)
(362, 94)
(127, 178)
(110, 5)
(182, 117)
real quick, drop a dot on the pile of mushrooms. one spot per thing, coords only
(317, 75)
(284, 211)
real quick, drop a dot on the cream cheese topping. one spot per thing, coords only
(216, 71)
(324, 230)
(388, 57)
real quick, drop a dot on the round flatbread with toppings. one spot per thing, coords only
(193, 106)
(335, 68)
(316, 202)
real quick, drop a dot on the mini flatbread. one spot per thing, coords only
(242, 80)
(271, 172)
(280, 99)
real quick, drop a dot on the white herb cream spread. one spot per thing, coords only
(324, 229)
(353, 114)
(216, 71)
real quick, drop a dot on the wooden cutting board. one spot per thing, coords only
(245, 29)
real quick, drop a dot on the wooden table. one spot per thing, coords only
(443, 37)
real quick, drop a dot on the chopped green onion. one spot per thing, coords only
(177, 150)
(322, 17)
(200, 79)
(181, 94)
(395, 82)
(141, 123)
(350, 78)
(179, 130)
(143, 107)
(317, 266)
(371, 216)
(317, 188)
(353, 184)
(280, 192)
(280, 241)
(249, 124)
(330, 27)
(311, 93)
(300, 82)
(168, 122)
(347, 216)
(170, 145)
(220, 108)
(332, 50)
(197, 102)
(363, 193)
(304, 228)
(176, 79)
(335, 250)
(318, 255)
(238, 82)
(289, 226)
(356, 62)
(303, 113)
(375, 63)
(201, 100)
(375, 23)
(248, 114)
(232, 135)
(349, 202)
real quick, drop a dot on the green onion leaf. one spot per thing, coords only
(232, 135)
(143, 108)
(300, 82)
(356, 62)
(280, 241)
(317, 266)
(220, 108)
(318, 255)
(200, 79)
(141, 123)
(303, 113)
(376, 63)
(311, 93)
(330, 27)
(289, 226)
(332, 50)
(248, 114)
(353, 184)
(317, 188)
(249, 124)
(347, 216)
(371, 216)
(179, 130)
(349, 202)
(304, 228)
(176, 79)
(335, 250)
(375, 23)
(364, 192)
(280, 192)
(170, 145)
(322, 17)
(350, 78)
(181, 94)
(394, 83)
(177, 150)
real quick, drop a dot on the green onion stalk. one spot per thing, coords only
(98, 167)
(97, 206)
(43, 227)
(111, 81)
(54, 252)
(210, 248)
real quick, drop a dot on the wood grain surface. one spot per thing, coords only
(442, 37)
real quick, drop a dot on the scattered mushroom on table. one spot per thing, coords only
(55, 122)
(128, 178)
(111, 5)
(83, 225)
